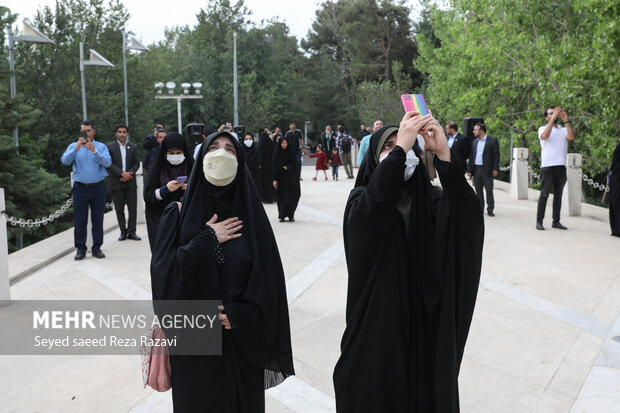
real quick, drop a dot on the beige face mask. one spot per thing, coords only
(219, 167)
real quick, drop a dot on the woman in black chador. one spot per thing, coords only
(266, 147)
(217, 243)
(614, 193)
(173, 160)
(286, 180)
(413, 257)
(252, 156)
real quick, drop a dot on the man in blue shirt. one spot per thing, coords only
(89, 159)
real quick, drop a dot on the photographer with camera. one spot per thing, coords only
(151, 144)
(553, 148)
(90, 160)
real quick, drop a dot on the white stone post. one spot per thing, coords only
(140, 218)
(4, 255)
(519, 174)
(573, 193)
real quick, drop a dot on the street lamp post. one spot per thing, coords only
(185, 95)
(31, 35)
(235, 94)
(135, 45)
(95, 60)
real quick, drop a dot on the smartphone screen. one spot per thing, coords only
(415, 103)
(181, 179)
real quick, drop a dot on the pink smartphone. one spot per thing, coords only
(181, 179)
(415, 103)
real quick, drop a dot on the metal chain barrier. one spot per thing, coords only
(504, 168)
(39, 221)
(534, 174)
(595, 185)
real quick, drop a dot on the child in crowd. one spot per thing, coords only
(335, 161)
(321, 162)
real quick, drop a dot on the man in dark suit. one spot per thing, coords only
(453, 134)
(484, 165)
(122, 182)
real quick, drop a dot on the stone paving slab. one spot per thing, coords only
(543, 338)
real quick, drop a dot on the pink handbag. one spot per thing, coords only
(156, 361)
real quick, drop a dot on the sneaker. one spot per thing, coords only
(558, 225)
(326, 179)
(314, 179)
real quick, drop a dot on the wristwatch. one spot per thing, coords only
(95, 151)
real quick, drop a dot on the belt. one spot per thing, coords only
(88, 185)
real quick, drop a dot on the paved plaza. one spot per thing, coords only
(545, 335)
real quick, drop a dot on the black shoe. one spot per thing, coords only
(134, 237)
(98, 254)
(291, 219)
(491, 214)
(281, 219)
(539, 226)
(558, 225)
(80, 256)
(123, 237)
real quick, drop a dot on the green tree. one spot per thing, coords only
(30, 191)
(507, 60)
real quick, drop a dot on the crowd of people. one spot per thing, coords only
(211, 239)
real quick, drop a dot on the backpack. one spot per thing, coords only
(345, 143)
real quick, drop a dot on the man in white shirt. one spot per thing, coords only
(554, 146)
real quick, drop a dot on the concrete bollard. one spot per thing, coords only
(140, 218)
(519, 174)
(4, 256)
(573, 194)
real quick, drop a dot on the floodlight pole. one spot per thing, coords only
(13, 82)
(125, 77)
(84, 112)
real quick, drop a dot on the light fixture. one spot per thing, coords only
(186, 87)
(197, 86)
(171, 86)
(159, 86)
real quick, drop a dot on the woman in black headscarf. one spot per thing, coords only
(267, 148)
(252, 156)
(614, 193)
(286, 180)
(172, 161)
(202, 252)
(413, 257)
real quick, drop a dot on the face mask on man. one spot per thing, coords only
(175, 159)
(220, 167)
(248, 143)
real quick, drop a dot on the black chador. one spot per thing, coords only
(159, 174)
(244, 273)
(266, 146)
(614, 193)
(286, 173)
(413, 256)
(253, 161)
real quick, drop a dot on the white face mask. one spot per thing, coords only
(410, 163)
(248, 143)
(219, 167)
(175, 159)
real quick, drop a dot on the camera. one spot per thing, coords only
(240, 131)
(83, 134)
